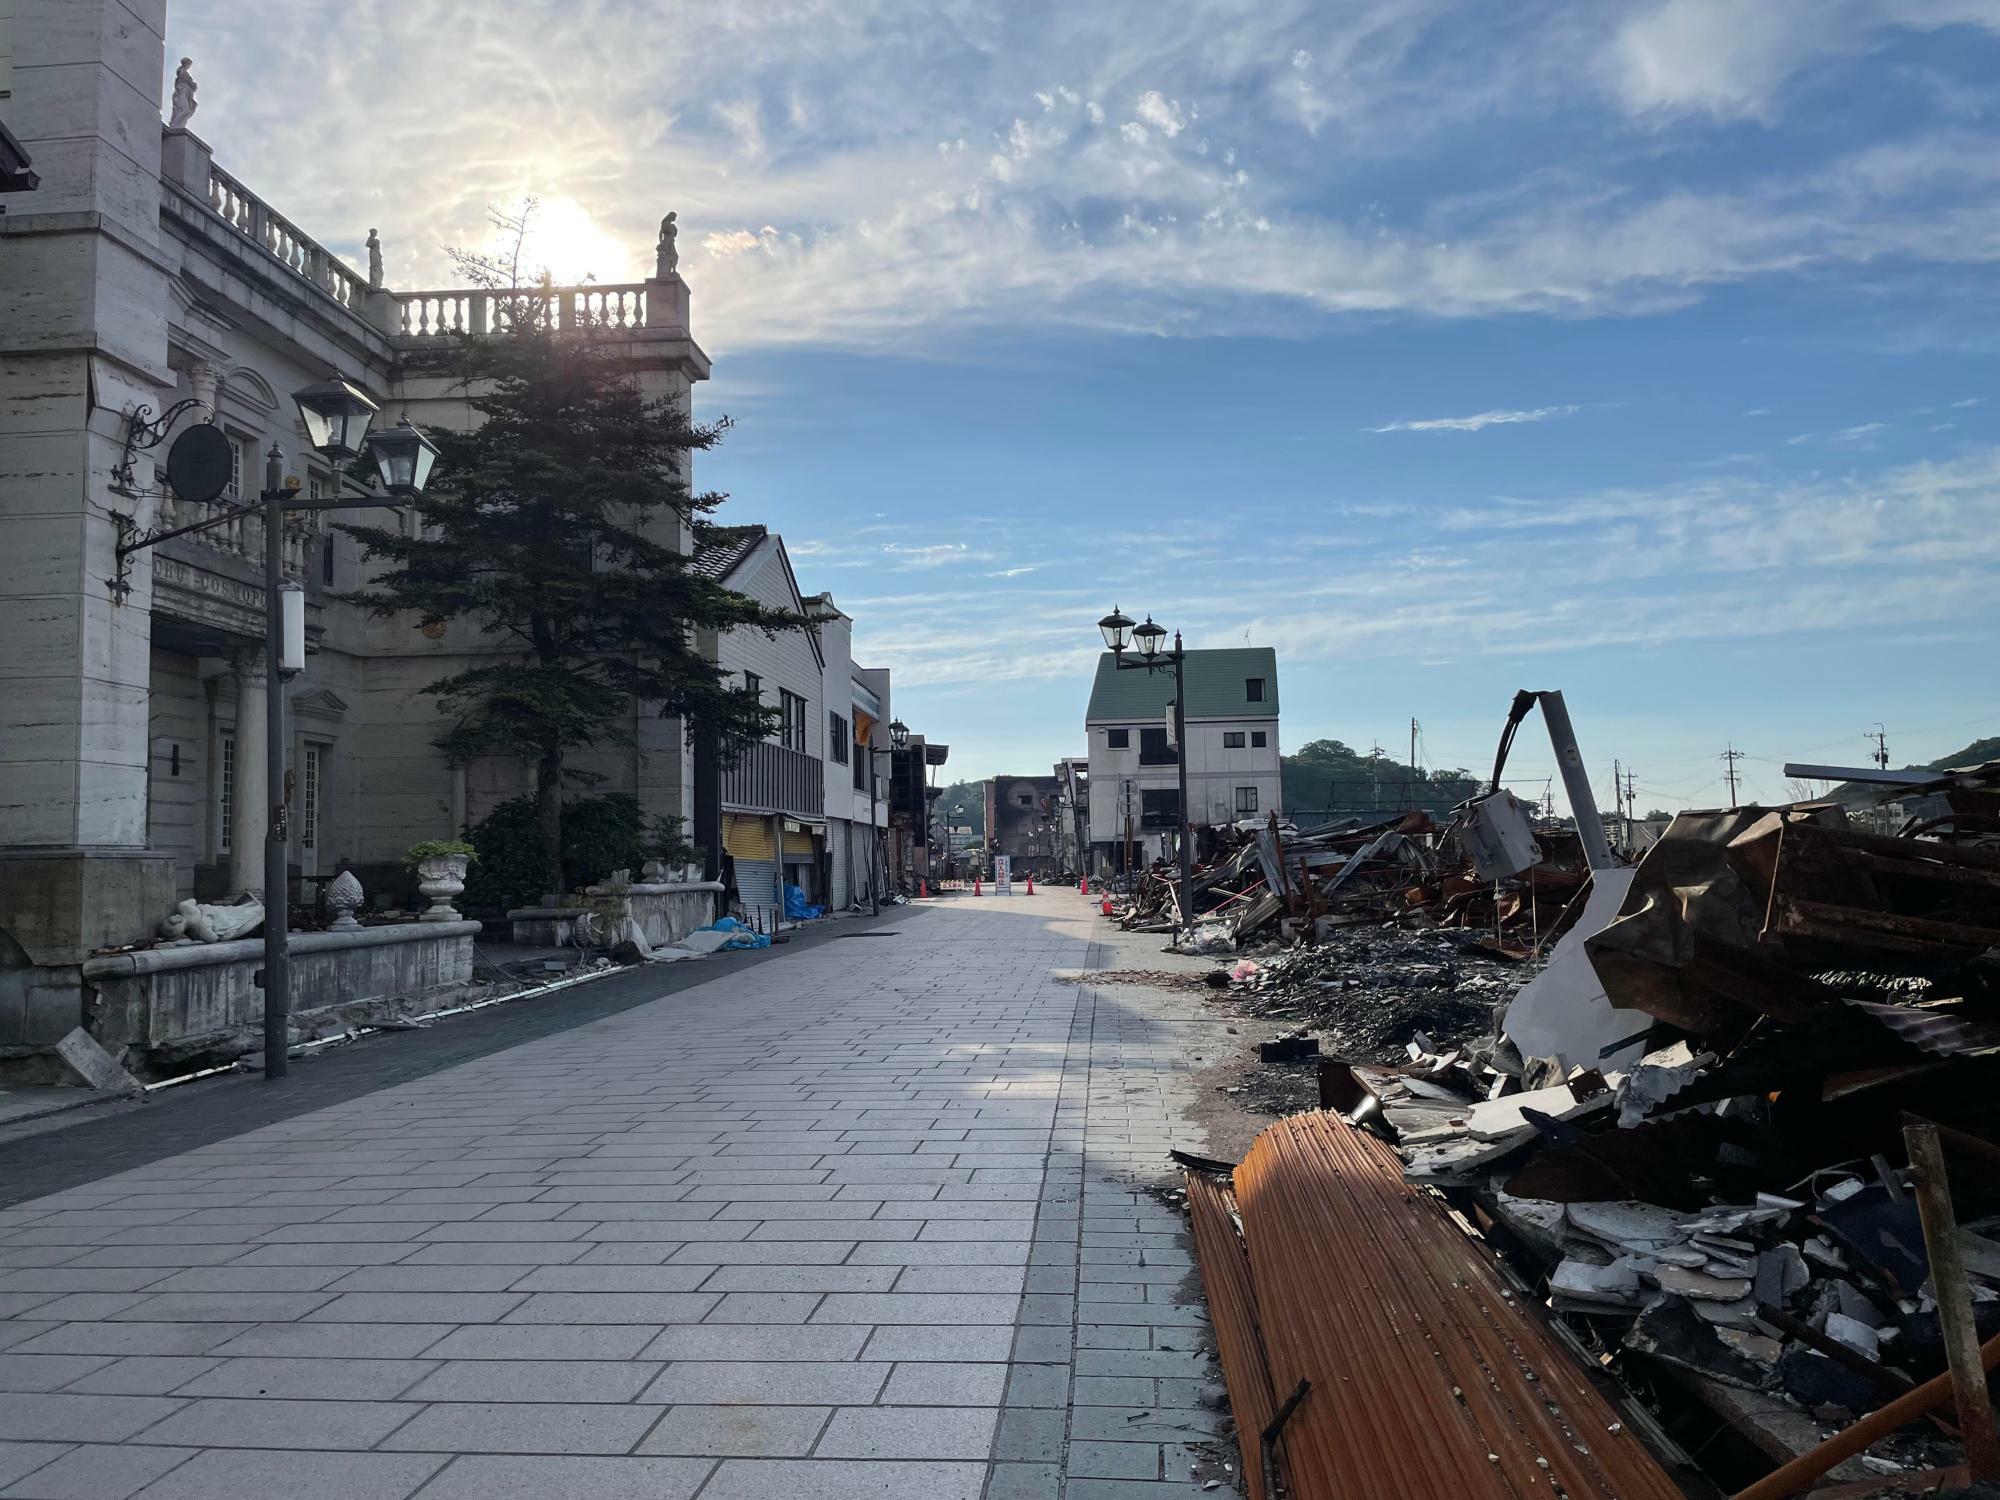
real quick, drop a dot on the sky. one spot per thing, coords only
(1643, 350)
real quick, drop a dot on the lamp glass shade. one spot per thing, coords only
(336, 414)
(403, 456)
(1148, 638)
(899, 735)
(1117, 628)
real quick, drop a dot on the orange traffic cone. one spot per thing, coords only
(1083, 885)
(1031, 885)
(975, 885)
(1106, 907)
(923, 889)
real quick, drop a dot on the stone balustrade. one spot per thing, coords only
(298, 252)
(438, 315)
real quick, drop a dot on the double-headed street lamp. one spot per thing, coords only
(337, 415)
(899, 739)
(1121, 635)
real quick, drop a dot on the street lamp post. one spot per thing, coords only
(899, 737)
(1120, 635)
(336, 415)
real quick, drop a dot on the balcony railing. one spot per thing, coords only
(420, 316)
(243, 536)
(772, 778)
(253, 218)
(439, 315)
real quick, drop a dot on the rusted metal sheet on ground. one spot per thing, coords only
(1428, 1377)
(1232, 1309)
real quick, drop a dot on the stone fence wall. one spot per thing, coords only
(167, 1004)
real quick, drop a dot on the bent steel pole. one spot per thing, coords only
(1576, 782)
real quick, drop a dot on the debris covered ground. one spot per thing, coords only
(1684, 1100)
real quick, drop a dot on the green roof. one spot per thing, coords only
(1217, 687)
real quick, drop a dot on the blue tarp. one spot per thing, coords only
(798, 908)
(743, 936)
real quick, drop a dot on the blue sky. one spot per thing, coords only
(1638, 349)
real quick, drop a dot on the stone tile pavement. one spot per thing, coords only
(865, 1221)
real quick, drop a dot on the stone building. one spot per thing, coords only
(1024, 823)
(141, 278)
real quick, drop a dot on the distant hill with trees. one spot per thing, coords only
(1326, 778)
(969, 795)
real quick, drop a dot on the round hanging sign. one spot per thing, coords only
(198, 464)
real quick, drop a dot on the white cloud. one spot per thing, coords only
(936, 555)
(1302, 59)
(1160, 112)
(1729, 59)
(1477, 422)
(838, 201)
(1014, 572)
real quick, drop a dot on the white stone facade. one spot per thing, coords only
(140, 274)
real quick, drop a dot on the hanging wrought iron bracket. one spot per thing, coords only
(142, 433)
(131, 539)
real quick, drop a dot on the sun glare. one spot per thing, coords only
(571, 244)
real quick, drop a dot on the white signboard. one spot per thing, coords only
(1003, 875)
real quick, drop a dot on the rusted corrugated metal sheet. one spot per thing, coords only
(1225, 1273)
(1428, 1378)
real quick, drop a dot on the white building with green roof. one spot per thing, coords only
(1232, 750)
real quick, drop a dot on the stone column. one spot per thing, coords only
(84, 301)
(250, 799)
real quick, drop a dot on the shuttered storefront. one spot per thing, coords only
(841, 894)
(748, 840)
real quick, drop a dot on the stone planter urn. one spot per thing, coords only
(439, 878)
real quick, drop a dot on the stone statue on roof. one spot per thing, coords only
(374, 260)
(669, 252)
(184, 105)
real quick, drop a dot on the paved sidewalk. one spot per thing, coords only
(851, 1223)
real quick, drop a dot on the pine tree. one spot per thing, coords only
(550, 526)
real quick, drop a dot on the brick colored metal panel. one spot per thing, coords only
(1428, 1377)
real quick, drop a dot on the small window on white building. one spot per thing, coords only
(1253, 689)
(1118, 739)
(1259, 740)
(309, 798)
(1232, 739)
(837, 738)
(1246, 800)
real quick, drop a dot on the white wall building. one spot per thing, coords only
(856, 812)
(1233, 763)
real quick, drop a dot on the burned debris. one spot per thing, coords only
(1727, 1121)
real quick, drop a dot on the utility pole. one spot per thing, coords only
(1729, 758)
(1375, 769)
(1881, 738)
(1410, 794)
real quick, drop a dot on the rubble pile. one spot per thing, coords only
(1371, 990)
(1699, 1131)
(1355, 873)
(1728, 1200)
